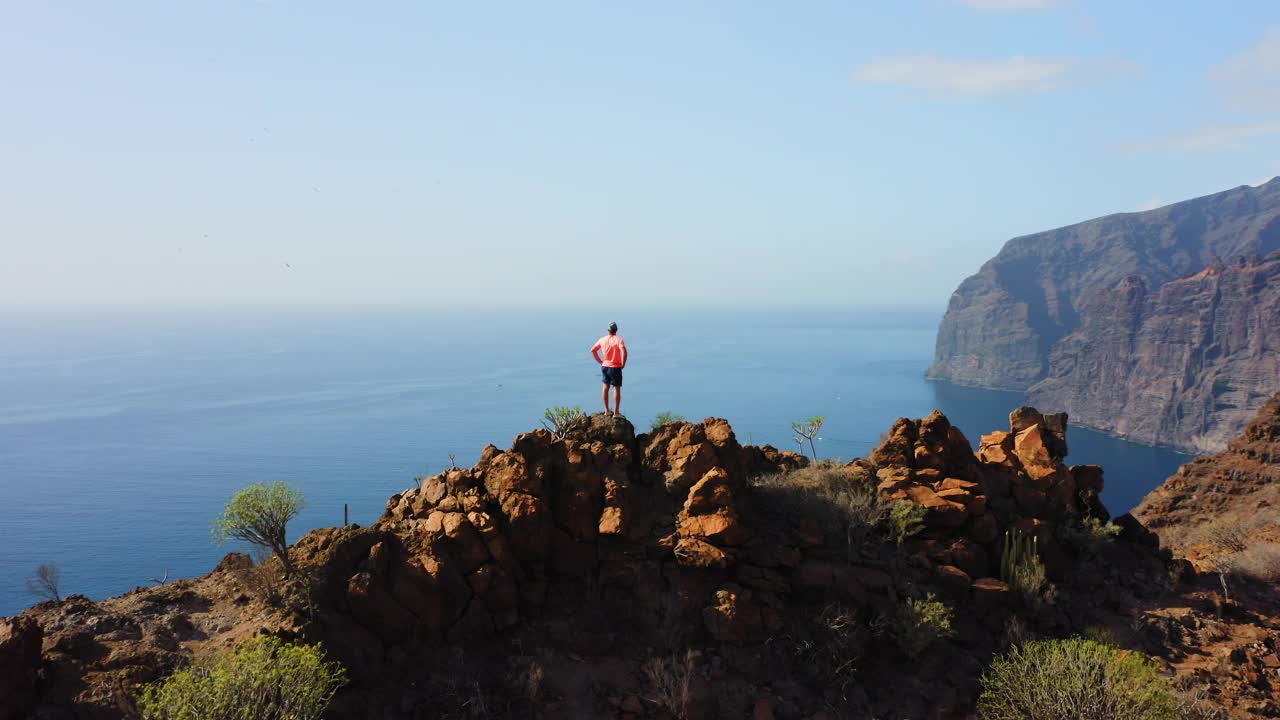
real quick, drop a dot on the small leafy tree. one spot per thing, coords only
(265, 678)
(1076, 678)
(666, 418)
(260, 515)
(45, 582)
(808, 430)
(561, 420)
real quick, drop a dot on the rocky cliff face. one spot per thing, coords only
(1156, 325)
(1191, 360)
(594, 576)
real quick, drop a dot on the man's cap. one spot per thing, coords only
(613, 327)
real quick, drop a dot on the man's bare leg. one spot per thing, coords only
(604, 395)
(617, 400)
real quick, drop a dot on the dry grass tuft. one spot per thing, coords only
(841, 499)
(671, 679)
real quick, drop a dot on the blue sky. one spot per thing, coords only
(282, 152)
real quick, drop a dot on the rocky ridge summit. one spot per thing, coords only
(1158, 325)
(593, 576)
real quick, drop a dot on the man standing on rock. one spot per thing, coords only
(615, 358)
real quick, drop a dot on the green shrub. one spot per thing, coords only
(919, 623)
(905, 519)
(666, 418)
(1074, 679)
(260, 515)
(264, 679)
(561, 420)
(1087, 536)
(1021, 568)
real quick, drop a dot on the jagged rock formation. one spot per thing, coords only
(1158, 325)
(583, 561)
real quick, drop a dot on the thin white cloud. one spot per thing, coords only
(1221, 136)
(1250, 79)
(982, 78)
(966, 77)
(1151, 204)
(1264, 181)
(1010, 4)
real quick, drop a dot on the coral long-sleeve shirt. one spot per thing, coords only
(612, 348)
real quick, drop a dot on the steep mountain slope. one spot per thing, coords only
(1159, 325)
(1218, 515)
(1239, 486)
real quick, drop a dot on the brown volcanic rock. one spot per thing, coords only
(20, 639)
(1154, 325)
(597, 554)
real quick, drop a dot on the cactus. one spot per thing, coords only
(1018, 546)
(1021, 568)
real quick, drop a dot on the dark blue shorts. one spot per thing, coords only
(612, 376)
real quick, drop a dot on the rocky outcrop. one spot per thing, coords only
(20, 639)
(605, 564)
(1239, 484)
(1154, 325)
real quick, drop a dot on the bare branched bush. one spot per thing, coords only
(1194, 706)
(671, 679)
(830, 644)
(1229, 533)
(530, 677)
(45, 583)
(1260, 562)
(266, 582)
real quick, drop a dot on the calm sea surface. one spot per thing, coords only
(122, 436)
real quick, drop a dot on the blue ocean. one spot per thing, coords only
(122, 435)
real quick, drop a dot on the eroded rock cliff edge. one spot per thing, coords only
(606, 574)
(1161, 326)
